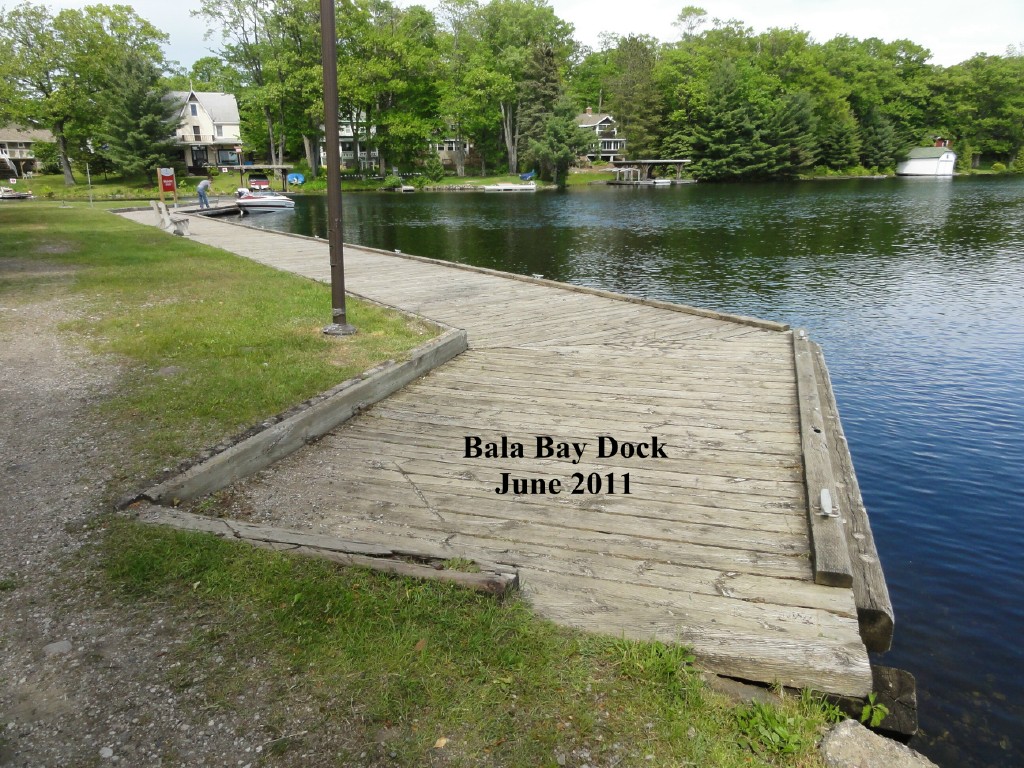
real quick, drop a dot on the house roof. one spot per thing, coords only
(221, 107)
(585, 120)
(927, 153)
(18, 133)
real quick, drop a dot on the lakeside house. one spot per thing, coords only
(209, 130)
(938, 160)
(610, 147)
(17, 157)
(448, 152)
(352, 144)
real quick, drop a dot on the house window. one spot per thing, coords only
(195, 132)
(194, 108)
(220, 131)
(227, 157)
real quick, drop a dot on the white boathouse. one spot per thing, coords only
(928, 161)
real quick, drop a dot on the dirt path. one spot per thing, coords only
(83, 678)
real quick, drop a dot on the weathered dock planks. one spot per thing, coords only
(711, 546)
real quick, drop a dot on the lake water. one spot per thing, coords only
(915, 289)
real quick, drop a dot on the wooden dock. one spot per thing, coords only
(711, 547)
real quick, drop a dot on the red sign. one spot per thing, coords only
(167, 180)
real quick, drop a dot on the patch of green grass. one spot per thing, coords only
(588, 177)
(9, 583)
(461, 564)
(116, 190)
(211, 343)
(426, 661)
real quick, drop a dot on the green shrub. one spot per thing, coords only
(1017, 166)
(393, 182)
(433, 168)
(998, 167)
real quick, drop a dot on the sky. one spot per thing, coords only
(951, 29)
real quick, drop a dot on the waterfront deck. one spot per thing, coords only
(711, 547)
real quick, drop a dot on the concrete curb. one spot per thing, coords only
(310, 423)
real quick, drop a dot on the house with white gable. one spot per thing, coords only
(610, 146)
(209, 130)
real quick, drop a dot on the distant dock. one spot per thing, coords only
(742, 534)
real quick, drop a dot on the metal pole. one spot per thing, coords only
(329, 46)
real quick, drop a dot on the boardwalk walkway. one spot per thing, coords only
(711, 545)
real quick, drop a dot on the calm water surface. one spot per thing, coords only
(915, 288)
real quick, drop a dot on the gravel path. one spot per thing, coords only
(83, 678)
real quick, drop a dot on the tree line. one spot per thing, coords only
(508, 78)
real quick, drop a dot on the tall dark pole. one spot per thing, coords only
(328, 36)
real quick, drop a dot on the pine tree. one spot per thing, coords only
(634, 97)
(838, 138)
(790, 131)
(139, 126)
(560, 142)
(727, 144)
(540, 93)
(879, 146)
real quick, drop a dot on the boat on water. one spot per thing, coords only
(510, 187)
(6, 193)
(262, 200)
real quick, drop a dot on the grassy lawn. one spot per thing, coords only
(453, 677)
(208, 344)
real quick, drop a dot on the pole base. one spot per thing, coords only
(339, 329)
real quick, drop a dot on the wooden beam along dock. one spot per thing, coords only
(725, 540)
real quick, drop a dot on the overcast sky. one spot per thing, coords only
(952, 31)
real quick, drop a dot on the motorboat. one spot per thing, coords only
(6, 193)
(509, 187)
(262, 200)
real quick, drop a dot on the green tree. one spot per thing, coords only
(140, 122)
(634, 97)
(387, 78)
(543, 82)
(838, 135)
(790, 130)
(208, 73)
(964, 157)
(689, 20)
(728, 141)
(879, 148)
(61, 67)
(465, 95)
(589, 74)
(559, 142)
(510, 31)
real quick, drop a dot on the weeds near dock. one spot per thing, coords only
(767, 730)
(653, 662)
(873, 713)
(771, 731)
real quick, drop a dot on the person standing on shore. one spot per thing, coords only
(204, 186)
